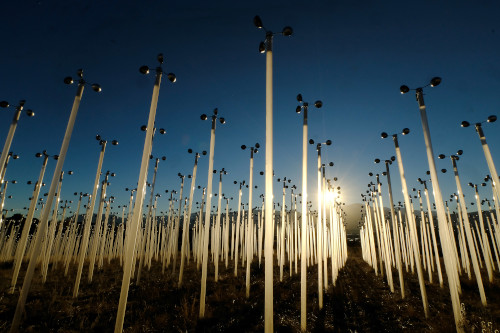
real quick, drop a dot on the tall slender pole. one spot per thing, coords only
(320, 233)
(176, 232)
(489, 160)
(147, 234)
(207, 219)
(433, 233)
(8, 140)
(88, 221)
(267, 46)
(187, 220)
(268, 217)
(412, 228)
(250, 224)
(97, 228)
(303, 255)
(137, 214)
(449, 259)
(395, 227)
(21, 248)
(217, 229)
(45, 216)
(237, 236)
(488, 259)
(384, 236)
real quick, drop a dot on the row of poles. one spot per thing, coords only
(398, 241)
(319, 237)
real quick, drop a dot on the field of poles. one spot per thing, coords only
(465, 243)
(300, 252)
(176, 239)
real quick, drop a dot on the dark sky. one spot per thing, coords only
(351, 55)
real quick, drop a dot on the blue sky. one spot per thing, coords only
(351, 55)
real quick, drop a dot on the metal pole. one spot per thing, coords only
(45, 217)
(187, 221)
(8, 140)
(303, 255)
(395, 227)
(249, 224)
(449, 260)
(412, 228)
(489, 160)
(176, 233)
(137, 214)
(88, 221)
(433, 233)
(21, 248)
(269, 237)
(319, 234)
(236, 239)
(207, 219)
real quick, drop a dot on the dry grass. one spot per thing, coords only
(360, 301)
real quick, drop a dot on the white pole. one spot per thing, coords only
(433, 233)
(21, 248)
(137, 214)
(320, 233)
(412, 228)
(97, 228)
(303, 266)
(268, 218)
(385, 242)
(207, 218)
(449, 260)
(187, 220)
(489, 160)
(88, 221)
(237, 237)
(250, 223)
(395, 231)
(176, 232)
(217, 228)
(487, 254)
(45, 217)
(8, 140)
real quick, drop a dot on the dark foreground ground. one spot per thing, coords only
(360, 301)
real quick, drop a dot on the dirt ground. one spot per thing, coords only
(359, 302)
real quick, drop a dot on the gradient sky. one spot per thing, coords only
(351, 55)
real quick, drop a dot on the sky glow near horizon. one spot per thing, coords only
(352, 57)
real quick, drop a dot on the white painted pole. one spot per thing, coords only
(8, 140)
(489, 160)
(97, 228)
(282, 235)
(21, 247)
(250, 224)
(187, 220)
(486, 242)
(384, 237)
(268, 217)
(143, 245)
(412, 228)
(303, 258)
(449, 260)
(176, 233)
(217, 228)
(320, 232)
(433, 233)
(137, 213)
(207, 218)
(45, 217)
(237, 237)
(88, 221)
(395, 227)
